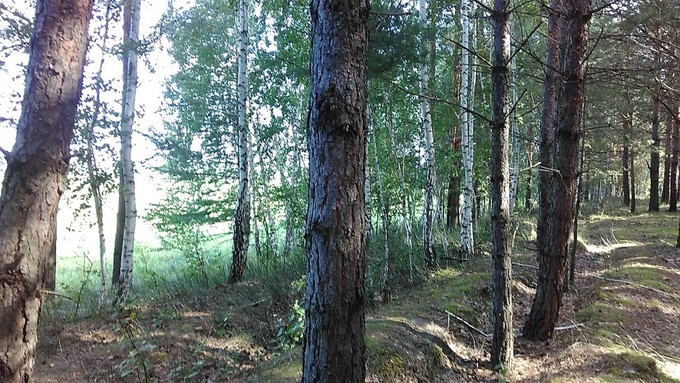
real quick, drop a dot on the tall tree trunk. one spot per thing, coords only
(673, 200)
(530, 164)
(120, 228)
(333, 346)
(632, 180)
(654, 159)
(577, 208)
(92, 164)
(514, 142)
(35, 176)
(384, 208)
(426, 115)
(131, 17)
(293, 173)
(502, 343)
(467, 245)
(667, 160)
(553, 247)
(453, 198)
(626, 170)
(239, 255)
(406, 220)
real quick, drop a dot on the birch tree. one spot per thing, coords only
(131, 15)
(35, 176)
(466, 222)
(242, 215)
(426, 115)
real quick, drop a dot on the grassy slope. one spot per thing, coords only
(227, 333)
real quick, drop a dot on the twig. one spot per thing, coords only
(569, 327)
(525, 265)
(56, 294)
(468, 325)
(254, 303)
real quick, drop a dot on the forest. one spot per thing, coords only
(339, 191)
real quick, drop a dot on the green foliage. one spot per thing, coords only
(291, 328)
(139, 360)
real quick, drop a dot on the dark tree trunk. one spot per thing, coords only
(453, 198)
(333, 346)
(35, 176)
(632, 181)
(626, 171)
(530, 165)
(654, 159)
(673, 200)
(553, 248)
(667, 160)
(547, 127)
(502, 343)
(452, 201)
(118, 239)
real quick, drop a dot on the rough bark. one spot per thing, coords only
(131, 16)
(626, 170)
(50, 278)
(426, 115)
(558, 203)
(239, 255)
(654, 156)
(667, 160)
(530, 164)
(502, 342)
(333, 346)
(35, 176)
(632, 181)
(673, 195)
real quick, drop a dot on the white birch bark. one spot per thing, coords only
(242, 215)
(130, 42)
(426, 115)
(466, 128)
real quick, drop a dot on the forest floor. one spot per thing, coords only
(622, 319)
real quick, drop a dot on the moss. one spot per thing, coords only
(385, 362)
(601, 313)
(613, 298)
(285, 368)
(636, 366)
(645, 275)
(436, 357)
